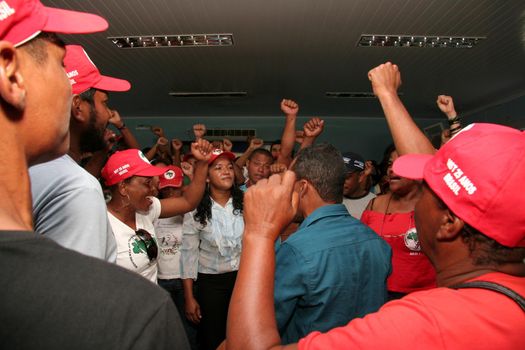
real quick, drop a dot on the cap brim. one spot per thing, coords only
(228, 155)
(172, 183)
(112, 84)
(411, 166)
(73, 22)
(151, 171)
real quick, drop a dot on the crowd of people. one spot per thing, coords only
(290, 244)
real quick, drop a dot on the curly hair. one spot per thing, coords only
(203, 212)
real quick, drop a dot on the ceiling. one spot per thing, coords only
(301, 49)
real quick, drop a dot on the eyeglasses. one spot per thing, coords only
(149, 243)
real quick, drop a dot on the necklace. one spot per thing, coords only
(410, 222)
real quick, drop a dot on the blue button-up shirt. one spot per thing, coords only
(330, 271)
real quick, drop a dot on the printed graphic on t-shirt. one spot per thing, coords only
(169, 244)
(136, 247)
(412, 241)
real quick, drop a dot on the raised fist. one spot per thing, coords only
(289, 107)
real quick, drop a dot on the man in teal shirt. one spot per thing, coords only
(334, 268)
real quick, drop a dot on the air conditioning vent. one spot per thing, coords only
(444, 42)
(172, 40)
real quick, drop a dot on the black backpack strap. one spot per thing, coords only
(494, 287)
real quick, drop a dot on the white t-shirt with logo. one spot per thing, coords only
(169, 238)
(131, 251)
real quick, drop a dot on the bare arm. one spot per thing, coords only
(127, 135)
(446, 105)
(407, 136)
(252, 146)
(193, 193)
(290, 108)
(311, 130)
(268, 207)
(176, 146)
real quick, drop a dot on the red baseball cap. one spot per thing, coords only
(125, 164)
(478, 174)
(22, 20)
(173, 177)
(83, 74)
(216, 153)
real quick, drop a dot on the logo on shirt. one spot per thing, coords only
(412, 240)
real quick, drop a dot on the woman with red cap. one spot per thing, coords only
(211, 248)
(133, 209)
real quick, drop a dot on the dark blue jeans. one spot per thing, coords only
(174, 287)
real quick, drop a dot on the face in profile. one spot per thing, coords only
(99, 115)
(47, 99)
(220, 174)
(138, 189)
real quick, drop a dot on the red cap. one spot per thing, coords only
(84, 75)
(22, 20)
(478, 174)
(173, 177)
(216, 153)
(125, 164)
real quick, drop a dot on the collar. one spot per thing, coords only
(322, 212)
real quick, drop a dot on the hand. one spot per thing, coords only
(270, 205)
(176, 144)
(115, 119)
(256, 143)
(446, 105)
(192, 310)
(158, 131)
(445, 136)
(385, 78)
(187, 169)
(199, 130)
(110, 138)
(278, 168)
(289, 107)
(313, 128)
(227, 144)
(299, 136)
(201, 150)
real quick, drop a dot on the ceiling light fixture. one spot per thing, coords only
(453, 42)
(179, 40)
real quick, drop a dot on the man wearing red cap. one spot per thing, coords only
(68, 204)
(470, 225)
(53, 297)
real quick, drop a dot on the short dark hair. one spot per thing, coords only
(322, 165)
(260, 151)
(37, 48)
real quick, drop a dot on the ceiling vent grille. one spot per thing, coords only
(231, 134)
(453, 42)
(209, 94)
(178, 40)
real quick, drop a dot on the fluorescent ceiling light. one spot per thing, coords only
(382, 40)
(178, 40)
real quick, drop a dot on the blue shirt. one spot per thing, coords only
(333, 269)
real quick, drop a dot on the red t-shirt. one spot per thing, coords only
(439, 318)
(411, 269)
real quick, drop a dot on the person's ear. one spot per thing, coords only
(303, 188)
(12, 87)
(450, 227)
(122, 189)
(76, 108)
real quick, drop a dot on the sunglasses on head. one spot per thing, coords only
(149, 243)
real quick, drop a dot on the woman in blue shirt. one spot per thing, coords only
(211, 249)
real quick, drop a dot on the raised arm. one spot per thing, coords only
(311, 130)
(290, 109)
(446, 105)
(127, 136)
(252, 146)
(192, 194)
(407, 136)
(269, 206)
